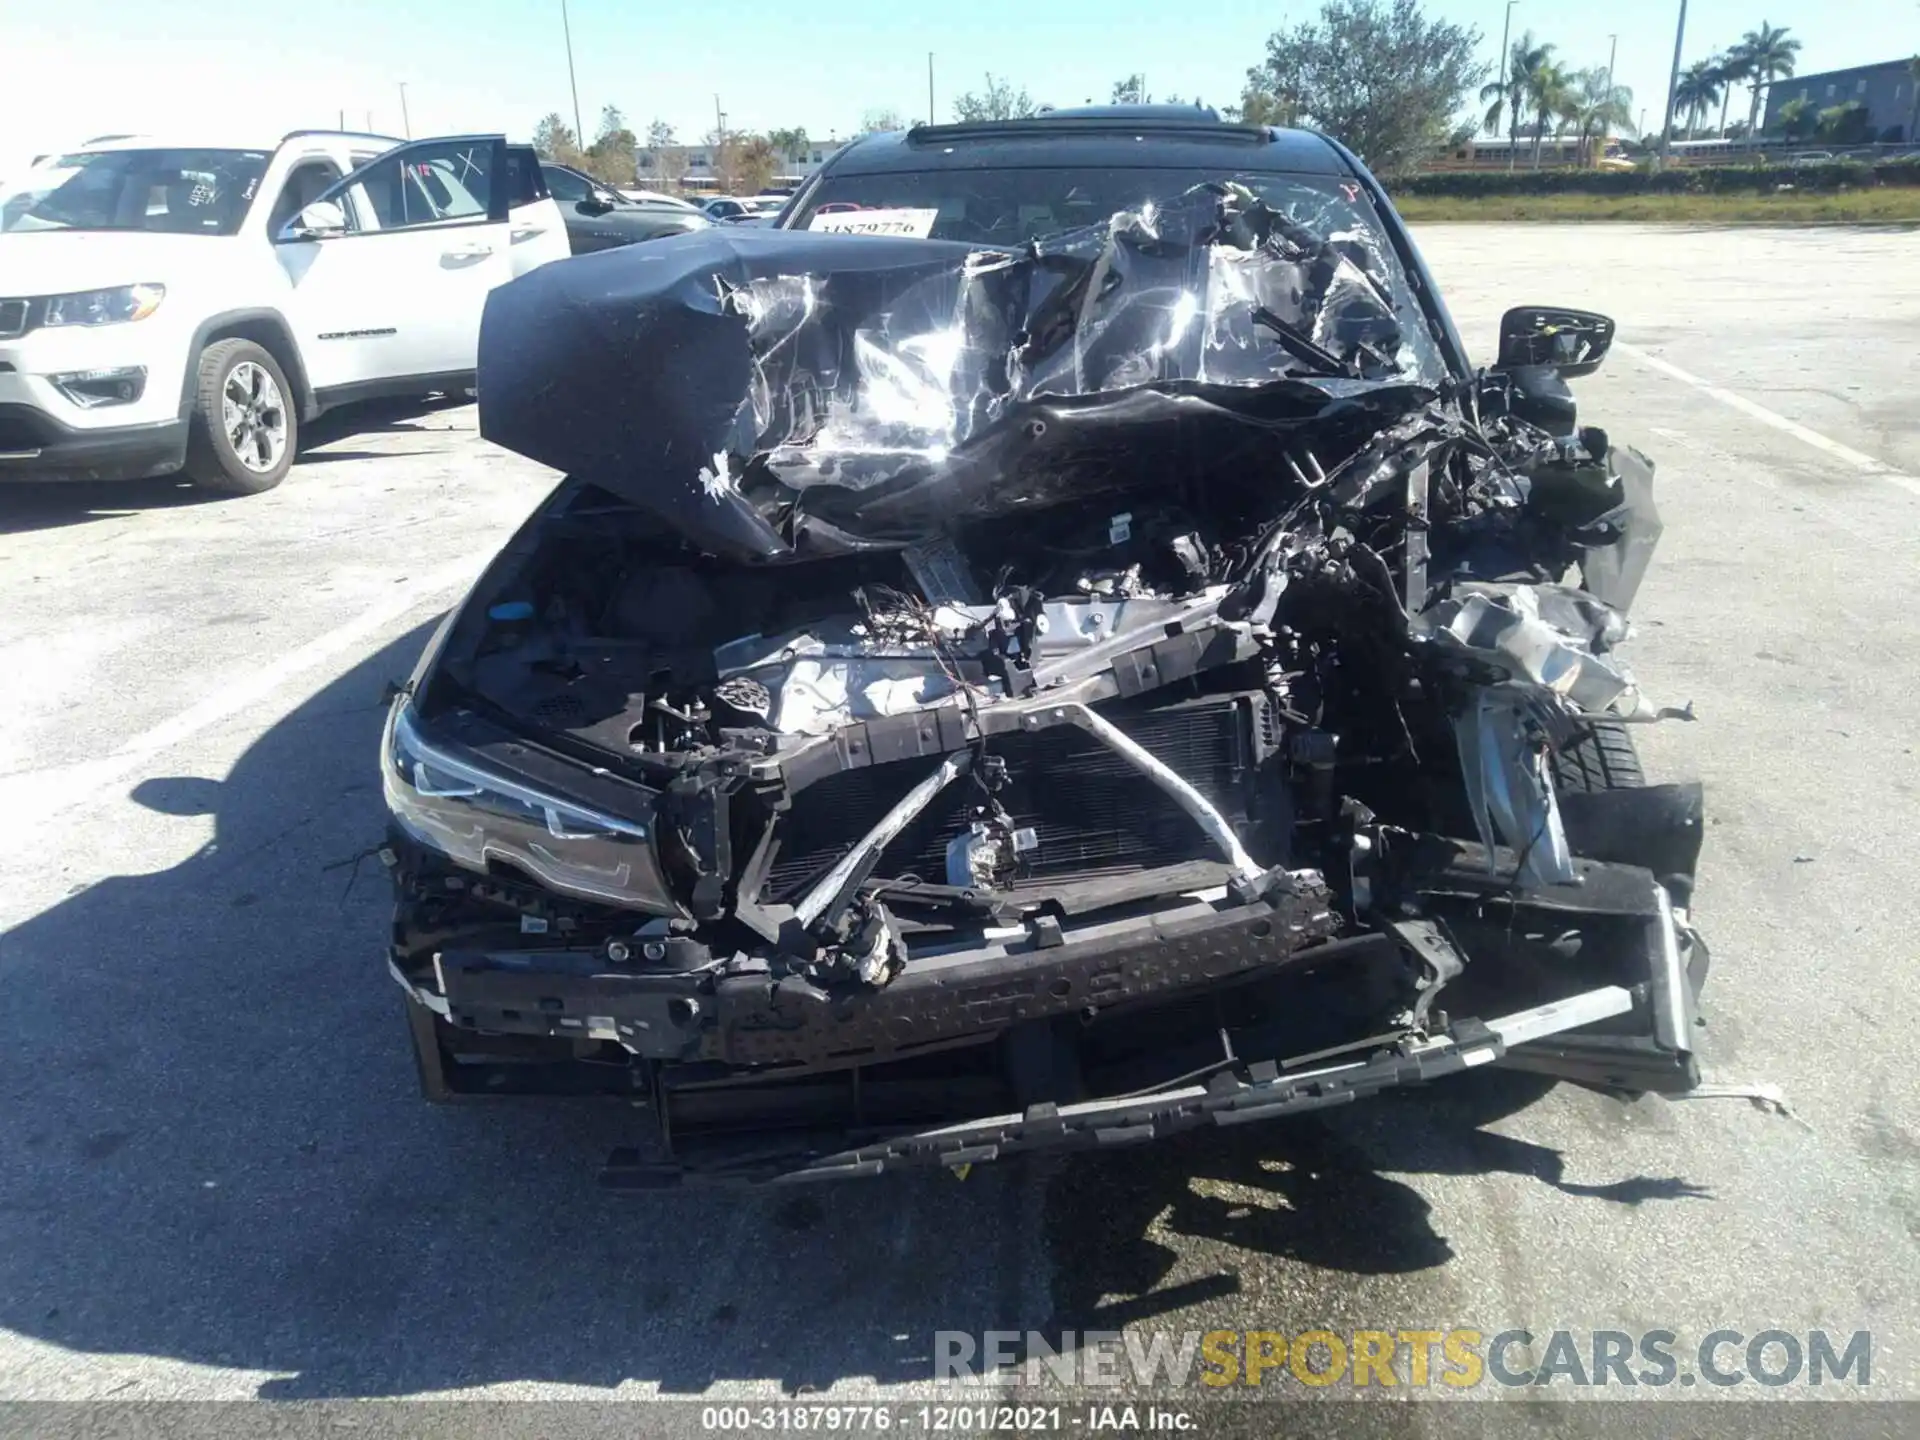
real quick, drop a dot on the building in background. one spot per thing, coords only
(690, 167)
(1885, 90)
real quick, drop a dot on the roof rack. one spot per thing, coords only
(363, 134)
(1200, 127)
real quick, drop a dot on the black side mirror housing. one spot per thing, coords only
(1570, 342)
(1540, 396)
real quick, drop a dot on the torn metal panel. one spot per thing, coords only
(1554, 636)
(1612, 570)
(1505, 760)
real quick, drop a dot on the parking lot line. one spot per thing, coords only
(1860, 461)
(38, 795)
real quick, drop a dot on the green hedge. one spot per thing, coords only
(1704, 180)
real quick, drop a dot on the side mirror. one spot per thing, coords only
(320, 219)
(1573, 342)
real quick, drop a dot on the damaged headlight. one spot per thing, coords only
(452, 803)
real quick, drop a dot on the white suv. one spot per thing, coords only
(186, 306)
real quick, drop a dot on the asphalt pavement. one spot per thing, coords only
(217, 1181)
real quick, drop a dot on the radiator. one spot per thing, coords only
(1092, 812)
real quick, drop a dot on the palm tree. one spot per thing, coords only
(1796, 118)
(789, 145)
(1699, 87)
(1507, 96)
(1729, 70)
(1548, 86)
(1769, 53)
(1594, 110)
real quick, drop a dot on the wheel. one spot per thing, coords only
(243, 426)
(1602, 757)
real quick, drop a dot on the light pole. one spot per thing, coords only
(930, 119)
(406, 125)
(1606, 96)
(1673, 82)
(1506, 81)
(579, 130)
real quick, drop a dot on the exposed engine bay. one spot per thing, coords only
(968, 701)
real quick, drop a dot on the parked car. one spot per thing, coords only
(1087, 658)
(171, 305)
(656, 197)
(599, 217)
(732, 210)
(1813, 157)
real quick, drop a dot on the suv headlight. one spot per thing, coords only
(450, 802)
(114, 306)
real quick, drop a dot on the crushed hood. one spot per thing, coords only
(774, 395)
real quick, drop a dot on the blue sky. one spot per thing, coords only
(95, 66)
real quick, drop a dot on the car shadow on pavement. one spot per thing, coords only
(31, 505)
(1124, 1227)
(212, 1151)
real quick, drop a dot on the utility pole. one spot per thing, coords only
(1673, 82)
(579, 130)
(1606, 97)
(1506, 81)
(930, 87)
(406, 125)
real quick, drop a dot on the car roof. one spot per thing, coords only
(265, 144)
(1173, 136)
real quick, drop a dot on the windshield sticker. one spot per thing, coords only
(915, 224)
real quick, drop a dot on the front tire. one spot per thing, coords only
(244, 429)
(1601, 757)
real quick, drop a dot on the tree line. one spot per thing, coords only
(743, 163)
(1382, 76)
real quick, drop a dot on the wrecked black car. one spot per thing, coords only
(969, 699)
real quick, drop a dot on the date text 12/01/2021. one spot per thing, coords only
(942, 1419)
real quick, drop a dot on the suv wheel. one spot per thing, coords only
(244, 428)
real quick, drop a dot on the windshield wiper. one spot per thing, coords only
(1302, 346)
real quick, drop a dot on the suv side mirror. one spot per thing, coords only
(321, 218)
(1573, 342)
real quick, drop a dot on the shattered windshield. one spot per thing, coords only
(176, 192)
(1012, 206)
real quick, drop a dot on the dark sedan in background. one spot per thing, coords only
(599, 217)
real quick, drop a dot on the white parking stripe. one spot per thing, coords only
(1866, 464)
(38, 795)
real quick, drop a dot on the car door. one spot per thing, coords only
(539, 230)
(393, 294)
